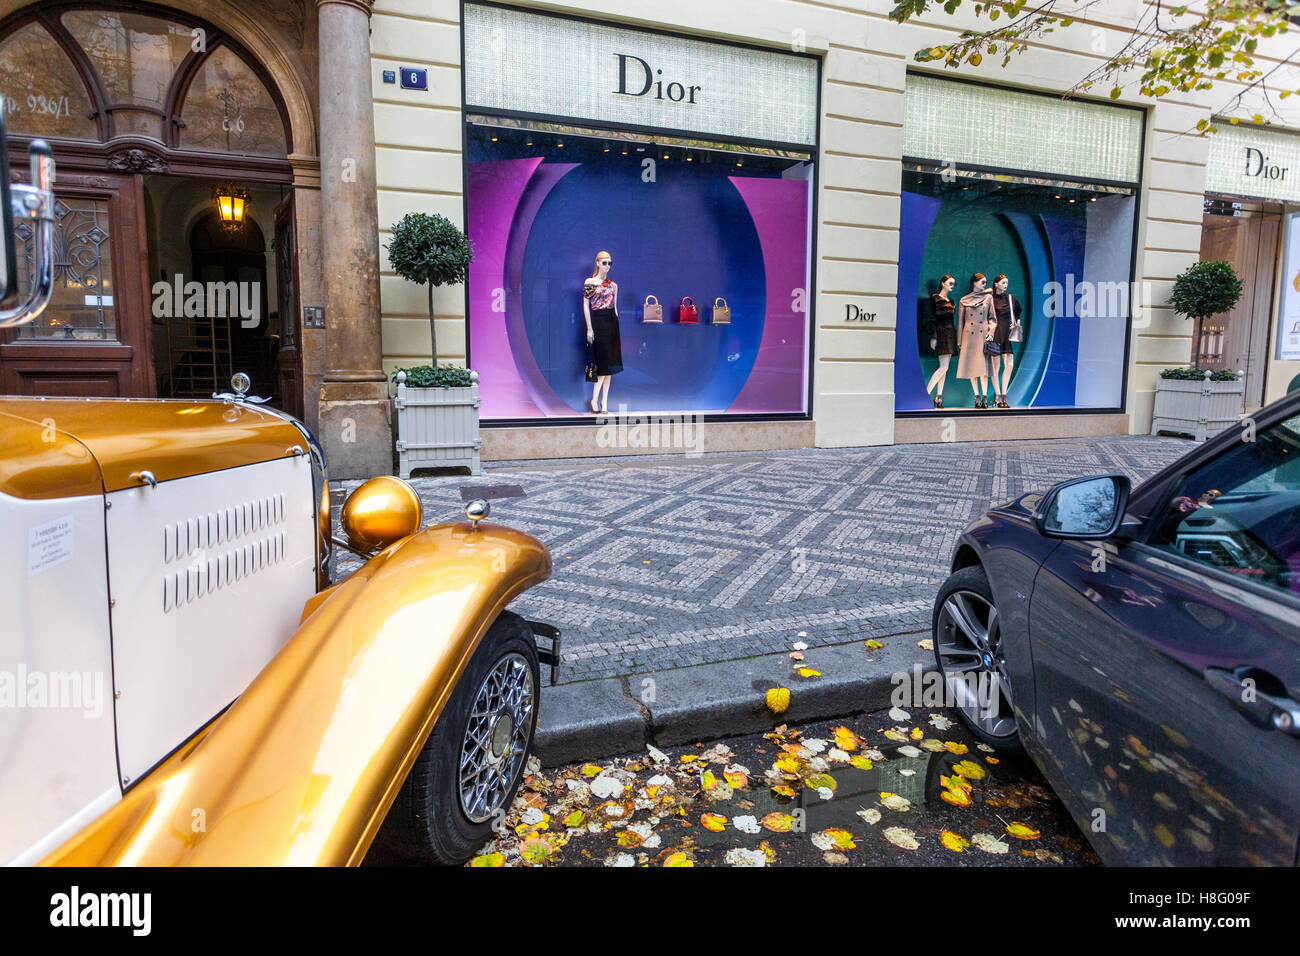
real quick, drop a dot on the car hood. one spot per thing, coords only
(1023, 507)
(61, 447)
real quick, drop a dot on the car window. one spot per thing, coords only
(1240, 512)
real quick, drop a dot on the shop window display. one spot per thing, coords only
(1014, 292)
(626, 273)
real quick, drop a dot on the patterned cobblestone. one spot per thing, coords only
(668, 561)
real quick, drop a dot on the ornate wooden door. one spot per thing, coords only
(95, 336)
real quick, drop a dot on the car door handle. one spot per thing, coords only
(1282, 713)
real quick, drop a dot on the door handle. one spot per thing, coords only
(1270, 710)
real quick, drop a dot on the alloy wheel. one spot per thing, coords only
(968, 639)
(496, 737)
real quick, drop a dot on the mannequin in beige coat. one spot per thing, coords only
(976, 321)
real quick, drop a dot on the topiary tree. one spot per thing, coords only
(1203, 290)
(432, 251)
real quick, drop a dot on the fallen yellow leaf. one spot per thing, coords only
(575, 819)
(713, 821)
(777, 822)
(953, 841)
(535, 850)
(778, 699)
(488, 859)
(1023, 831)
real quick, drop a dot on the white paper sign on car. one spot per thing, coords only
(49, 544)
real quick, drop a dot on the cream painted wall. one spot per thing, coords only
(866, 56)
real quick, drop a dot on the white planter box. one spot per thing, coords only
(437, 427)
(1196, 408)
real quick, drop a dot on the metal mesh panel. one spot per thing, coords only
(966, 123)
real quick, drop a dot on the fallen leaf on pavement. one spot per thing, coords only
(953, 841)
(989, 843)
(1023, 831)
(901, 837)
(778, 699)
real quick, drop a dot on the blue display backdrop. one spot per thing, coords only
(687, 234)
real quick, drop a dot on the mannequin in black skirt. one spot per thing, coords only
(1007, 310)
(943, 336)
(600, 306)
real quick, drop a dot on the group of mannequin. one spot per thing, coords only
(987, 315)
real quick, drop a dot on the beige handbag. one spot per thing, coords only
(721, 313)
(651, 310)
(1015, 331)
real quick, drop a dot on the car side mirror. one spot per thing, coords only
(35, 204)
(1084, 508)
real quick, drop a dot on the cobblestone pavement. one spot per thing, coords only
(673, 560)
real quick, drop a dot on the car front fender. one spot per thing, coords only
(303, 766)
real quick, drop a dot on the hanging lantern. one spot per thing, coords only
(231, 200)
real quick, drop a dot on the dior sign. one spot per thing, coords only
(1257, 164)
(641, 72)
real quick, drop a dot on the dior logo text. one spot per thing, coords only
(640, 72)
(181, 299)
(1257, 164)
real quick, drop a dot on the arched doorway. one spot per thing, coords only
(146, 108)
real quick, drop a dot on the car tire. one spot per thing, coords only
(968, 649)
(438, 817)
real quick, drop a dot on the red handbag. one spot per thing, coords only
(687, 313)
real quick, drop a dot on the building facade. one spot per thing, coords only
(836, 214)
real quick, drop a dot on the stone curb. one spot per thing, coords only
(611, 716)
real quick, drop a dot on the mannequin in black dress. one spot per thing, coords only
(943, 336)
(1007, 310)
(600, 307)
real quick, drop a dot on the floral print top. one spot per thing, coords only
(601, 294)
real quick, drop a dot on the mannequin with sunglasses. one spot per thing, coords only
(600, 307)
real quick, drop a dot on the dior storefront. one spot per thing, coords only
(1252, 220)
(1016, 251)
(641, 207)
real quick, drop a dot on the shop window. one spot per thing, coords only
(1013, 292)
(43, 95)
(227, 109)
(720, 226)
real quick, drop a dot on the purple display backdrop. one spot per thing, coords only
(779, 208)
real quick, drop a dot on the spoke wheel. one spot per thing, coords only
(969, 649)
(496, 737)
(472, 764)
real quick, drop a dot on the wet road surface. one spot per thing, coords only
(877, 789)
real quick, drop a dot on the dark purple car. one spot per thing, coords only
(1144, 648)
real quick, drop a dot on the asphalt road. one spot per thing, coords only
(855, 794)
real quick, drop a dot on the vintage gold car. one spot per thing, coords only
(180, 680)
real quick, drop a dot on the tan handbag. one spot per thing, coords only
(721, 313)
(651, 310)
